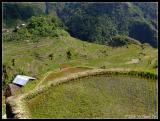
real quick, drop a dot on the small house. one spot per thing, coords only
(18, 82)
(22, 25)
(22, 80)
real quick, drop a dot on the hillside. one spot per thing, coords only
(149, 9)
(34, 58)
(94, 22)
(43, 44)
(99, 22)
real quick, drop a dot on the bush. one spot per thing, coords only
(68, 54)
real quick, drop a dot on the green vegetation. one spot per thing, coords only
(68, 54)
(94, 22)
(99, 22)
(20, 12)
(116, 36)
(82, 54)
(97, 97)
(37, 27)
(149, 9)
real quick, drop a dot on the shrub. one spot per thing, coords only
(50, 56)
(68, 54)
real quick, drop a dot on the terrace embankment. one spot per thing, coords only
(21, 109)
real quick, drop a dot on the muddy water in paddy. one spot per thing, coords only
(98, 97)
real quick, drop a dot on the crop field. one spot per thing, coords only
(97, 97)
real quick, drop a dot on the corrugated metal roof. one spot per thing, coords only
(22, 80)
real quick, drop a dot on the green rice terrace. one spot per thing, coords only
(91, 93)
(97, 97)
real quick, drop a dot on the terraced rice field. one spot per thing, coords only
(64, 72)
(97, 97)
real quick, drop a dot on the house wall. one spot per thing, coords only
(11, 90)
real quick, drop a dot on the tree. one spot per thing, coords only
(68, 54)
(50, 56)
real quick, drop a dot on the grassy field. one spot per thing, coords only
(97, 97)
(33, 59)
